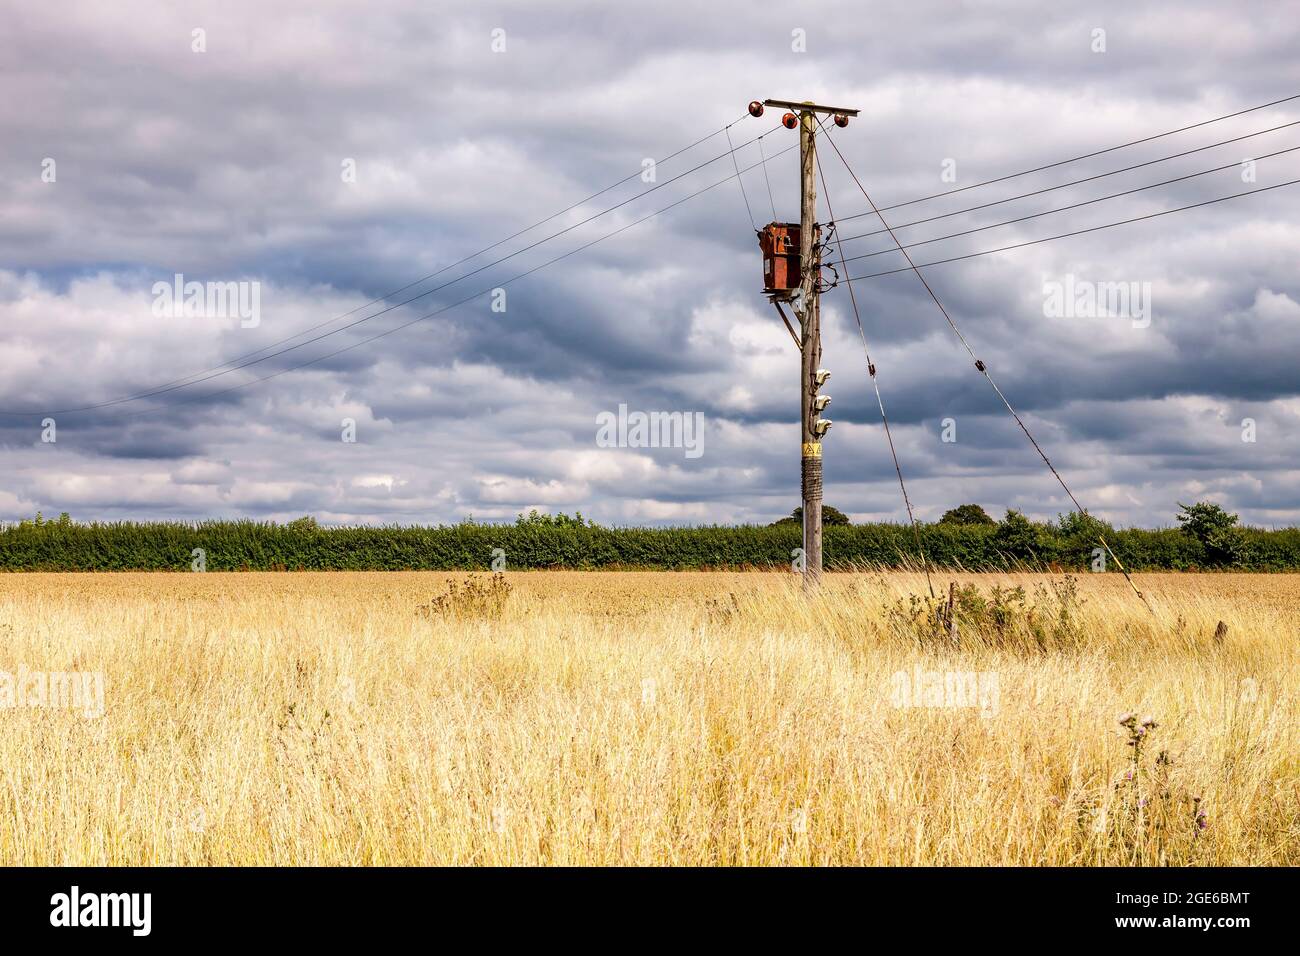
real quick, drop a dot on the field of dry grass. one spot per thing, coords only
(658, 718)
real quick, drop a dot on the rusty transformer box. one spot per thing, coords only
(779, 242)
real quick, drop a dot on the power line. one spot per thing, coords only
(771, 198)
(1075, 159)
(1077, 232)
(237, 364)
(436, 312)
(1075, 182)
(1077, 205)
(983, 369)
(740, 179)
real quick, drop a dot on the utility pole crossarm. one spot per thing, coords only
(810, 107)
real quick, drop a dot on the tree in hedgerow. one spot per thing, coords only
(535, 518)
(1016, 536)
(967, 515)
(1079, 527)
(830, 516)
(1079, 538)
(1216, 529)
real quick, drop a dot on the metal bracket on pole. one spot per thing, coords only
(790, 328)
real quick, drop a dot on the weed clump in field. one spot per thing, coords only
(722, 610)
(471, 598)
(1000, 617)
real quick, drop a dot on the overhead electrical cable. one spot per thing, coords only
(1076, 232)
(1074, 182)
(1082, 156)
(739, 178)
(771, 198)
(1077, 205)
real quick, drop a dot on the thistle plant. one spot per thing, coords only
(1148, 822)
(1137, 735)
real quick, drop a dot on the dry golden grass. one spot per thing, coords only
(641, 719)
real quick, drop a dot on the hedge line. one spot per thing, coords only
(260, 546)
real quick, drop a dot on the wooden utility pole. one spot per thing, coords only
(810, 347)
(807, 307)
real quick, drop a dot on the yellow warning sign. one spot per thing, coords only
(812, 449)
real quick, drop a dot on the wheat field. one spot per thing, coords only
(648, 718)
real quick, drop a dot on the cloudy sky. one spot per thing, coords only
(324, 154)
